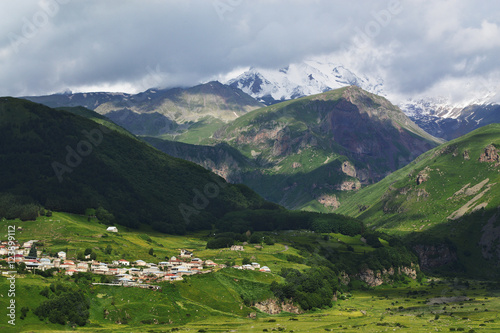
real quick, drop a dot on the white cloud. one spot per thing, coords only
(109, 45)
(473, 40)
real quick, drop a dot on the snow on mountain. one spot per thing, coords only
(442, 107)
(301, 79)
(439, 116)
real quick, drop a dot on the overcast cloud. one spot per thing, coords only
(416, 46)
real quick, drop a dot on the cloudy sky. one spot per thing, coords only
(417, 46)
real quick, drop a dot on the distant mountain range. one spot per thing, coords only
(437, 116)
(169, 112)
(450, 121)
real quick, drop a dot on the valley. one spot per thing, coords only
(232, 299)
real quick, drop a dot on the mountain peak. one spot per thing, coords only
(296, 80)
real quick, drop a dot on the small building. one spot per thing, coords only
(255, 265)
(265, 269)
(210, 263)
(249, 267)
(140, 262)
(112, 229)
(70, 272)
(237, 248)
(124, 262)
(124, 280)
(61, 255)
(121, 262)
(186, 254)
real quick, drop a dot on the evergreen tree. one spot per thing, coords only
(32, 251)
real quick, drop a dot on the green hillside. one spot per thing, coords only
(64, 162)
(223, 300)
(449, 194)
(310, 152)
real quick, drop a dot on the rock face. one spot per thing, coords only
(273, 306)
(423, 176)
(349, 169)
(434, 256)
(490, 155)
(348, 185)
(466, 155)
(376, 278)
(329, 201)
(220, 159)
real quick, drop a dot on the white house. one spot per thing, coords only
(256, 265)
(265, 269)
(112, 229)
(121, 262)
(61, 255)
(186, 254)
(140, 262)
(124, 262)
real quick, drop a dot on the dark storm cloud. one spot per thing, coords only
(51, 45)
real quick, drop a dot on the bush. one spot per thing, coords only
(72, 307)
(220, 243)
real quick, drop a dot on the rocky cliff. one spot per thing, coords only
(376, 278)
(273, 306)
(311, 149)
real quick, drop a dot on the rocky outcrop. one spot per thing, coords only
(490, 155)
(423, 175)
(273, 306)
(348, 185)
(473, 204)
(376, 278)
(466, 155)
(434, 256)
(344, 278)
(329, 201)
(349, 169)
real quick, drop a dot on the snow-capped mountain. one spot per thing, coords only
(301, 79)
(437, 115)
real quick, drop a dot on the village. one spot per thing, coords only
(121, 272)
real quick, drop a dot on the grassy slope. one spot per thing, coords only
(448, 175)
(179, 306)
(395, 206)
(92, 115)
(214, 301)
(132, 180)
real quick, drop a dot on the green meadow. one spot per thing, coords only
(223, 301)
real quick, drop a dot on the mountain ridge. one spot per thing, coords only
(158, 112)
(305, 153)
(447, 198)
(65, 162)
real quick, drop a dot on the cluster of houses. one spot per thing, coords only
(124, 271)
